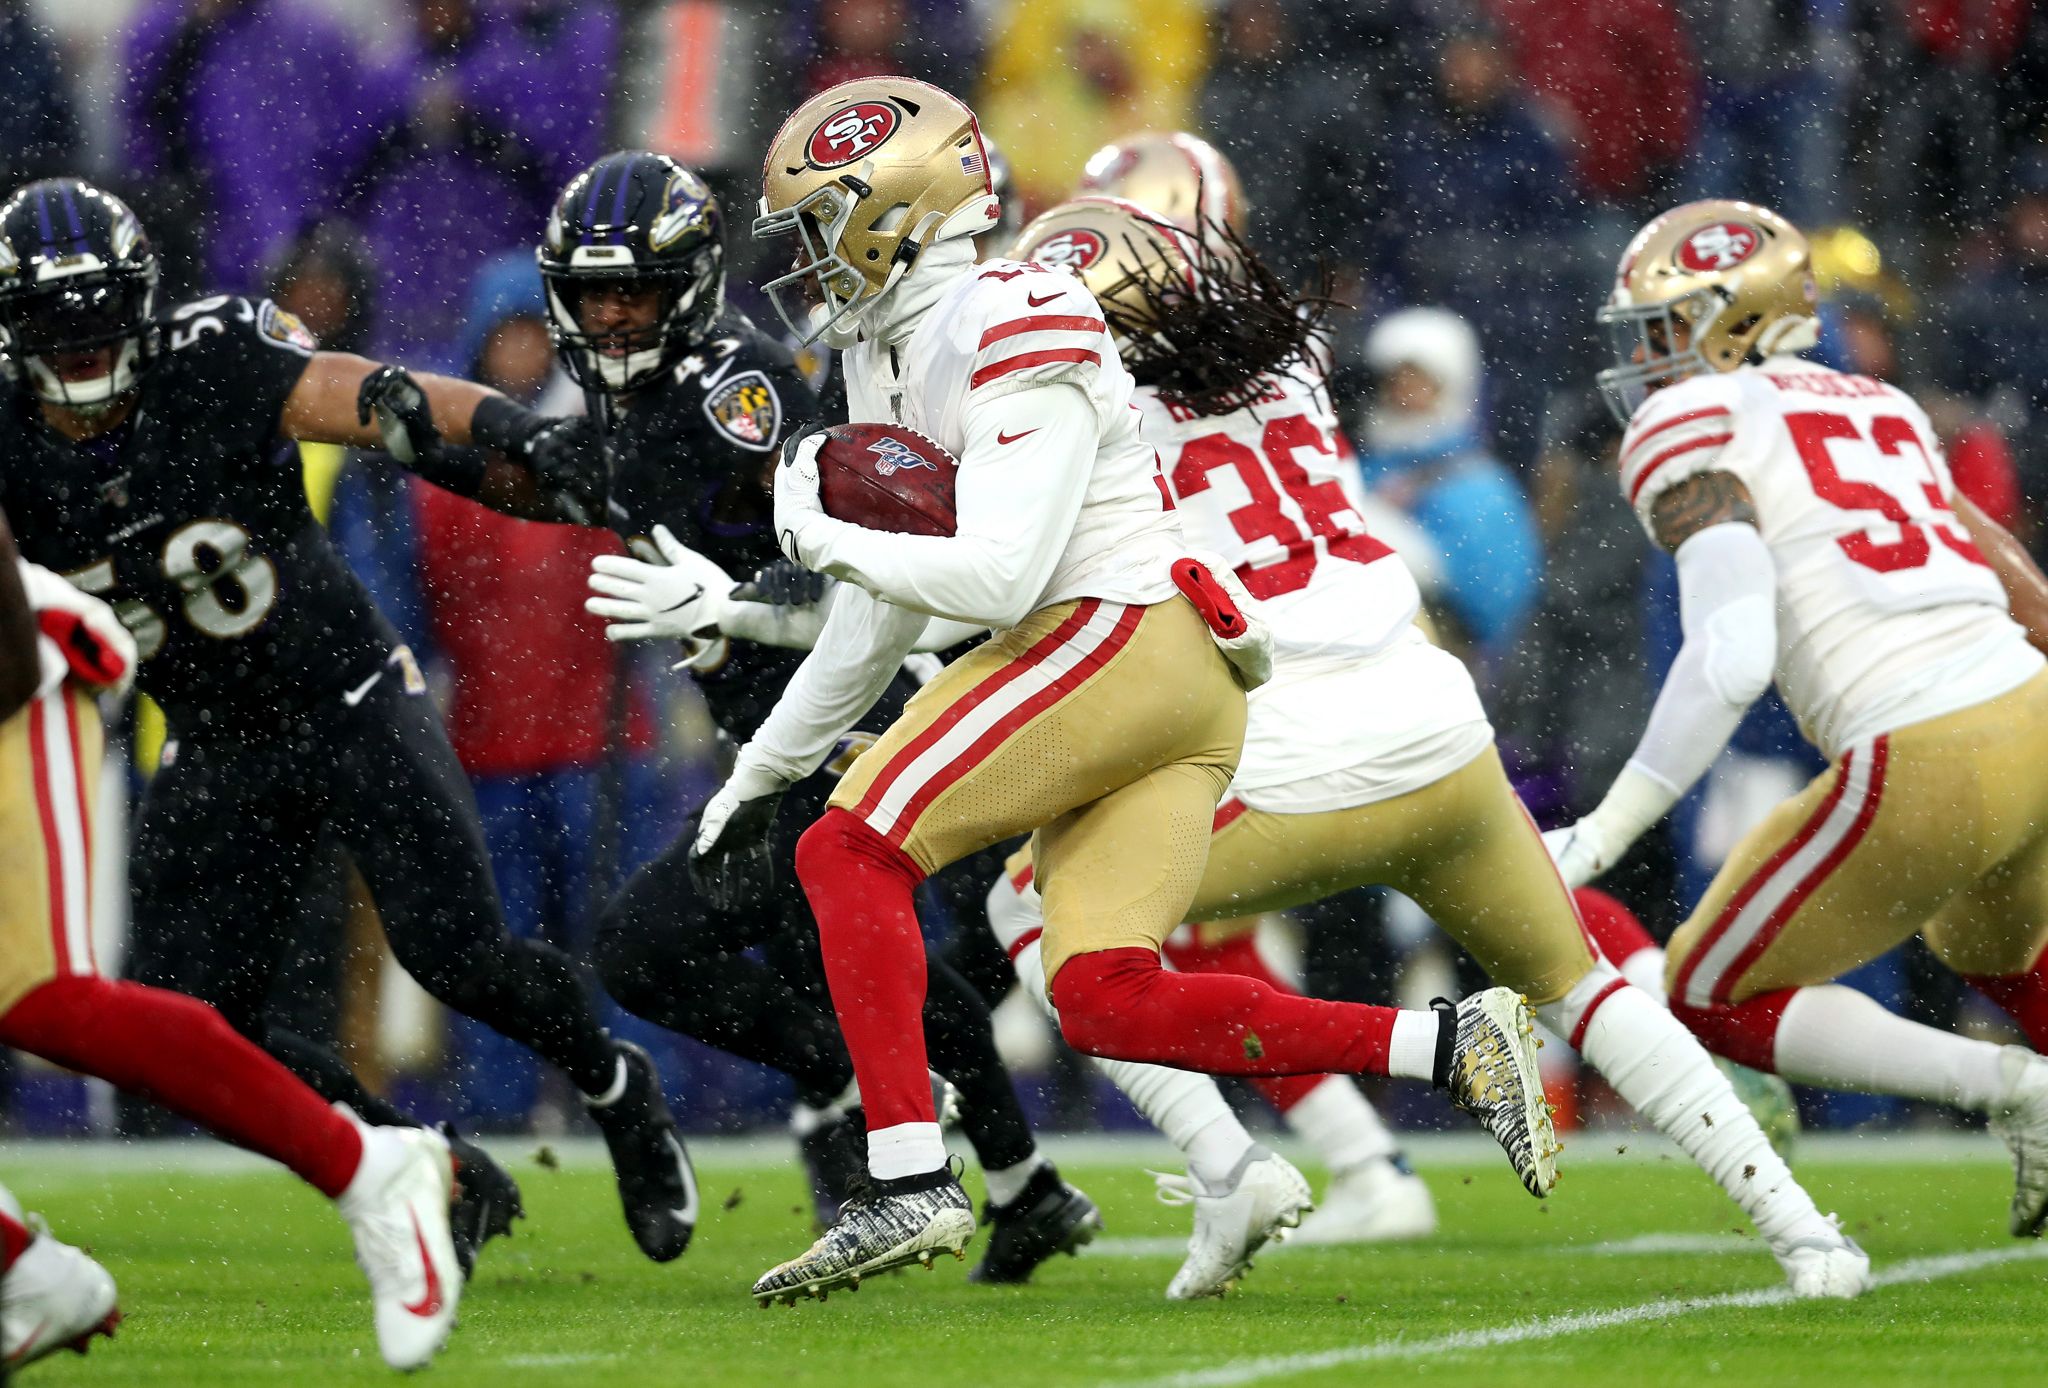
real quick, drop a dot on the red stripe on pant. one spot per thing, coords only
(1013, 722)
(1614, 928)
(1880, 753)
(972, 700)
(1240, 955)
(178, 1052)
(1682, 985)
(1120, 1003)
(53, 844)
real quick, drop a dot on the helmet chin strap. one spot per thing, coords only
(902, 306)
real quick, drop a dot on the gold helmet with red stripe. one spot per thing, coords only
(1171, 174)
(867, 175)
(1116, 248)
(1705, 287)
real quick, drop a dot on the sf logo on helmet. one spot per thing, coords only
(851, 133)
(1071, 250)
(1722, 246)
(893, 455)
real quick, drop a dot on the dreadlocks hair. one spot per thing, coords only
(1207, 343)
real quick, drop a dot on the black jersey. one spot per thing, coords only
(695, 452)
(191, 519)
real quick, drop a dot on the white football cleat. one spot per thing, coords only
(1825, 1265)
(397, 1209)
(1377, 1201)
(54, 1297)
(2021, 1118)
(1266, 1197)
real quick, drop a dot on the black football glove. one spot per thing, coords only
(404, 419)
(568, 458)
(734, 870)
(783, 584)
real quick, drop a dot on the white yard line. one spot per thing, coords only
(1242, 1371)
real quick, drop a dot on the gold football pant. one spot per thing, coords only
(1110, 729)
(49, 785)
(1461, 847)
(1939, 827)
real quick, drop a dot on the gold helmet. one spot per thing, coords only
(867, 174)
(1705, 287)
(1171, 174)
(1114, 247)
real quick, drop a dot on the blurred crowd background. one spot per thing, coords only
(1466, 172)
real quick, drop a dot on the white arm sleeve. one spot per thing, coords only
(859, 651)
(798, 628)
(1016, 502)
(1727, 602)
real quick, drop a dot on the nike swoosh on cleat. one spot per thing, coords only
(1036, 302)
(429, 1304)
(1002, 437)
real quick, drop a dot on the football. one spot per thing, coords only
(886, 477)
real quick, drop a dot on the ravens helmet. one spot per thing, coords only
(77, 293)
(636, 221)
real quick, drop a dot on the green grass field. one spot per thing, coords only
(235, 1276)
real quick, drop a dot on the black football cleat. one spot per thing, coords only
(1047, 1217)
(657, 1184)
(486, 1200)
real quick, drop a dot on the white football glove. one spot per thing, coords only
(96, 649)
(1584, 850)
(685, 599)
(799, 512)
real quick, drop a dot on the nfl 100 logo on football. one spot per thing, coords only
(894, 455)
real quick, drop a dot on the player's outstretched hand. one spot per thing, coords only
(404, 419)
(682, 599)
(730, 859)
(1583, 851)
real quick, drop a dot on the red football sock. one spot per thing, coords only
(2025, 996)
(14, 1238)
(1239, 955)
(1119, 1003)
(1744, 1032)
(178, 1052)
(860, 888)
(1613, 926)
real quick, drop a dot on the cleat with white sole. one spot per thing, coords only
(1828, 1265)
(2021, 1119)
(890, 1225)
(397, 1211)
(53, 1297)
(1377, 1201)
(1493, 1076)
(1264, 1197)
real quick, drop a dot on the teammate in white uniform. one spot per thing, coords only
(1820, 541)
(1107, 713)
(1368, 758)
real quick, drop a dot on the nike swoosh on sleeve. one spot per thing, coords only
(1036, 302)
(1001, 437)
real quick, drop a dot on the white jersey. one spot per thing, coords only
(1887, 613)
(1007, 327)
(1360, 707)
